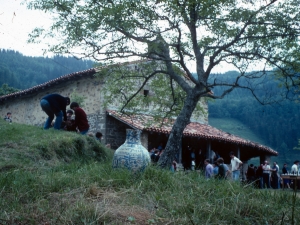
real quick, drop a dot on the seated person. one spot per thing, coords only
(99, 136)
(155, 156)
(8, 117)
(160, 147)
(174, 166)
(151, 152)
(81, 121)
(69, 125)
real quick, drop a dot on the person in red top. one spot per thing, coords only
(81, 121)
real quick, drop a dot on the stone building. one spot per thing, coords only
(25, 108)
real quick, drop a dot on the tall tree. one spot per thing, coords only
(194, 35)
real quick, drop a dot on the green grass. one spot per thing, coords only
(53, 177)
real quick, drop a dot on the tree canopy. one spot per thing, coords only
(194, 35)
(5, 89)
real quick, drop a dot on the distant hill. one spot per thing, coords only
(238, 128)
(235, 127)
(22, 72)
(275, 125)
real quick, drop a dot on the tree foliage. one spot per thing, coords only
(194, 35)
(5, 89)
(156, 95)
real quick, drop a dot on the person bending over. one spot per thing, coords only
(54, 104)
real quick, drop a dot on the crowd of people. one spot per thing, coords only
(269, 176)
(218, 169)
(263, 176)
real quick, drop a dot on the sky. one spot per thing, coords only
(16, 22)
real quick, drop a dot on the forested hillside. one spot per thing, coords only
(23, 72)
(277, 124)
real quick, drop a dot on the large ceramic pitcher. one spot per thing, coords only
(132, 154)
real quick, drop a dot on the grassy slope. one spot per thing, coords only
(49, 177)
(23, 145)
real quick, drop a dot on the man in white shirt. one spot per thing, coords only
(235, 166)
(266, 174)
(294, 168)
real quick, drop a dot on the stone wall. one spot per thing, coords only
(115, 132)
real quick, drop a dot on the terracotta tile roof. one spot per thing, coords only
(48, 84)
(193, 129)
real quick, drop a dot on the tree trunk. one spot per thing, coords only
(173, 145)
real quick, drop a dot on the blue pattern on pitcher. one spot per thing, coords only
(132, 154)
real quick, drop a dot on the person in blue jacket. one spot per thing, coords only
(55, 104)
